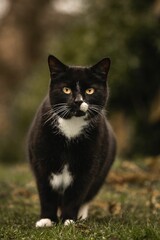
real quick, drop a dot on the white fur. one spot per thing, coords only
(68, 222)
(61, 180)
(44, 222)
(83, 212)
(84, 107)
(71, 128)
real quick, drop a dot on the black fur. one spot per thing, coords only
(89, 155)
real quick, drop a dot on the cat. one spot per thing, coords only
(71, 145)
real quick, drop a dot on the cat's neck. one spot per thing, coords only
(76, 126)
(73, 127)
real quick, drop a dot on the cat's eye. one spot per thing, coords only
(90, 91)
(67, 90)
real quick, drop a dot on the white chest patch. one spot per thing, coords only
(61, 180)
(71, 128)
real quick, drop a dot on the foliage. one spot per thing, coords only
(126, 31)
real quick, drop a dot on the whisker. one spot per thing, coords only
(58, 105)
(48, 112)
(61, 109)
(50, 118)
(97, 106)
(65, 112)
(52, 113)
(95, 109)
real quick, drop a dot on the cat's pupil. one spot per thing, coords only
(90, 91)
(67, 90)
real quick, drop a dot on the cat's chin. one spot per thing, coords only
(78, 113)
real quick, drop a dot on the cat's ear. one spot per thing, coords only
(55, 65)
(102, 67)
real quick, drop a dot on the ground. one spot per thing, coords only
(127, 207)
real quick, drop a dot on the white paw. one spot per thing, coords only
(68, 222)
(44, 222)
(83, 212)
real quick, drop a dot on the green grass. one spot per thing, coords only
(127, 207)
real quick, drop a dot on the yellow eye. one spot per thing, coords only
(67, 90)
(90, 91)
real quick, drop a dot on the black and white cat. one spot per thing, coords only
(71, 144)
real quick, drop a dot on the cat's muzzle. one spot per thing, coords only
(83, 107)
(80, 109)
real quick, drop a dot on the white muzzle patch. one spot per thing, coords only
(84, 107)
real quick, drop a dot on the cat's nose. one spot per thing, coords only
(78, 100)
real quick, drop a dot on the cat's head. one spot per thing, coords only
(78, 91)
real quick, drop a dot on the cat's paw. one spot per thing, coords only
(44, 222)
(68, 222)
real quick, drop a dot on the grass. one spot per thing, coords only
(127, 207)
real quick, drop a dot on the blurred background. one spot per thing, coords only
(81, 32)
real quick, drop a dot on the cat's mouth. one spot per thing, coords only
(78, 113)
(75, 110)
(80, 110)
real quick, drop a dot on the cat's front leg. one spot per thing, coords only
(74, 206)
(49, 205)
(71, 215)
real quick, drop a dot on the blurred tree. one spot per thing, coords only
(22, 37)
(25, 28)
(126, 31)
(21, 40)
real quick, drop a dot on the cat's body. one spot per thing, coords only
(71, 144)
